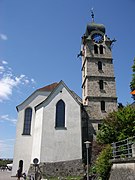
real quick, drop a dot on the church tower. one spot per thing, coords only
(98, 81)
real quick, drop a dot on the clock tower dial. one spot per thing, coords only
(97, 38)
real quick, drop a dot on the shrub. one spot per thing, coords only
(102, 164)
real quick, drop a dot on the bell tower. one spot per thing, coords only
(98, 81)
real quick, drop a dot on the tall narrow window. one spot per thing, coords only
(84, 71)
(101, 49)
(84, 89)
(20, 166)
(27, 121)
(101, 84)
(60, 114)
(99, 65)
(95, 49)
(102, 105)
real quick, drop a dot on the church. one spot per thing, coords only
(54, 122)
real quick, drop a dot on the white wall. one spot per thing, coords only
(23, 144)
(46, 143)
(36, 147)
(66, 144)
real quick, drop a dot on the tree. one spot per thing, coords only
(132, 83)
(4, 162)
(117, 126)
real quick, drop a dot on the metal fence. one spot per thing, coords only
(124, 148)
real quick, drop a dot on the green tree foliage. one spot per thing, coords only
(102, 164)
(4, 162)
(132, 83)
(117, 125)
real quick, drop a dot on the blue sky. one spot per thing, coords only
(39, 43)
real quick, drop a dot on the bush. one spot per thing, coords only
(102, 164)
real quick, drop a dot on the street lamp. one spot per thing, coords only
(87, 143)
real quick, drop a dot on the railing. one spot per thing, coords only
(124, 148)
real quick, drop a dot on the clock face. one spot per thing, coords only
(98, 38)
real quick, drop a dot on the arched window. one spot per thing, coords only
(95, 49)
(60, 114)
(20, 166)
(99, 65)
(101, 84)
(27, 121)
(101, 49)
(102, 105)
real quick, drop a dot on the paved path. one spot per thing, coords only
(6, 175)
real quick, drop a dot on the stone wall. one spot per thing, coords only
(109, 87)
(60, 169)
(94, 107)
(123, 169)
(92, 67)
(90, 50)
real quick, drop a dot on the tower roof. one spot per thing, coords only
(94, 27)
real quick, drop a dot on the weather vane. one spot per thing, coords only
(92, 14)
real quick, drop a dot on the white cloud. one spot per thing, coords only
(6, 86)
(3, 37)
(4, 62)
(7, 118)
(33, 81)
(8, 81)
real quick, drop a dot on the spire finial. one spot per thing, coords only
(92, 14)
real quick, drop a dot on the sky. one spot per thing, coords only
(39, 43)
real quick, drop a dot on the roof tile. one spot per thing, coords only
(49, 87)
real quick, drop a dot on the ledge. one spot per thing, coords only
(123, 160)
(60, 128)
(26, 134)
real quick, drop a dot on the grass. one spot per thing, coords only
(65, 178)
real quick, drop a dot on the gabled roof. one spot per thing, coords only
(51, 88)
(48, 87)
(72, 93)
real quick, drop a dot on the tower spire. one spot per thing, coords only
(92, 14)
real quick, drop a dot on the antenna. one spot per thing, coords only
(92, 14)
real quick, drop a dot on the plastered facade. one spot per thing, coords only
(46, 142)
(23, 143)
